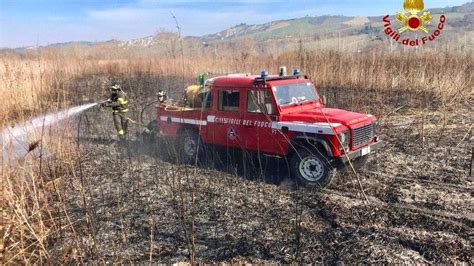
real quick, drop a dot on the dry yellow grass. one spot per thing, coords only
(33, 197)
(45, 82)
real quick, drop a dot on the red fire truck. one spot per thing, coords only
(280, 115)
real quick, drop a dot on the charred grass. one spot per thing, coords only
(418, 209)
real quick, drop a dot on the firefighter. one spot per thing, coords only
(119, 104)
(149, 129)
(161, 96)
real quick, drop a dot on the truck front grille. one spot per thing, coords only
(362, 135)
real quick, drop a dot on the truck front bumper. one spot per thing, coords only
(362, 152)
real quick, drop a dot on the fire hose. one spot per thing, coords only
(140, 123)
(144, 108)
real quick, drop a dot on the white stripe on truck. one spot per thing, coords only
(184, 120)
(317, 128)
(211, 118)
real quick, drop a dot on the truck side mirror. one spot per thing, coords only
(325, 101)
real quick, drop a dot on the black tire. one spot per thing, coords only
(189, 147)
(311, 168)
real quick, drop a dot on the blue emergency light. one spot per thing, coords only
(296, 71)
(264, 74)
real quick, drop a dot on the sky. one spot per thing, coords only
(41, 22)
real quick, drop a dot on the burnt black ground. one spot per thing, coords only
(419, 208)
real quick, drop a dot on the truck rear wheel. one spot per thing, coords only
(190, 147)
(311, 168)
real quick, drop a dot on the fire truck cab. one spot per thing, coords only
(276, 115)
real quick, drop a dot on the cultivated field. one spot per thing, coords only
(91, 200)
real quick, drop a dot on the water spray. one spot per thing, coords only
(14, 139)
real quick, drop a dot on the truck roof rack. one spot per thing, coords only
(238, 74)
(265, 79)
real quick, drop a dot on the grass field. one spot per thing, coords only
(96, 202)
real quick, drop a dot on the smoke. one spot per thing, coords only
(16, 140)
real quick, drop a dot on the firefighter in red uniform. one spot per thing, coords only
(119, 104)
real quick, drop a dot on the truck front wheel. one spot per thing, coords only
(311, 168)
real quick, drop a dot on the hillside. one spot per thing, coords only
(288, 28)
(319, 31)
(308, 26)
(369, 29)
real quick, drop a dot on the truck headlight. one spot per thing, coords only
(344, 140)
(376, 127)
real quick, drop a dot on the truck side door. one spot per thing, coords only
(259, 115)
(225, 121)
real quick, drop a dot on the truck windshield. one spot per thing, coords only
(295, 93)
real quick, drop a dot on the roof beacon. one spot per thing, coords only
(296, 71)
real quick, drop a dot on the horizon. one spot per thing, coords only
(54, 22)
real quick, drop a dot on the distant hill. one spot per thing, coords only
(351, 31)
(287, 28)
(321, 25)
(466, 8)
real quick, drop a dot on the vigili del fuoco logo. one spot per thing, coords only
(411, 20)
